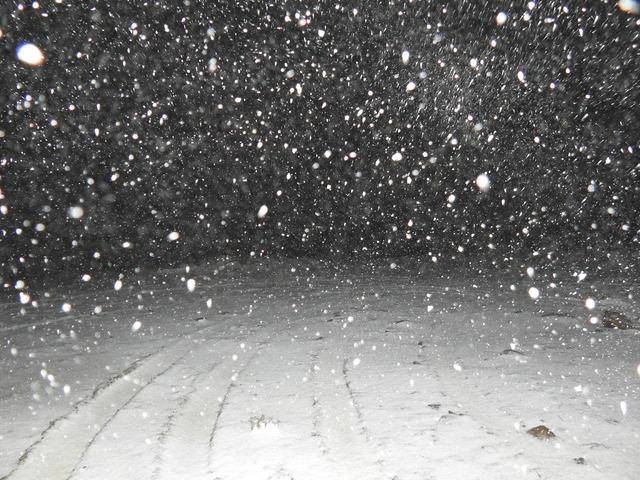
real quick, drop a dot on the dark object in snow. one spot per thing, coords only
(261, 422)
(579, 460)
(614, 319)
(435, 406)
(511, 351)
(556, 314)
(541, 432)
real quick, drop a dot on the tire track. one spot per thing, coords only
(189, 433)
(184, 418)
(75, 409)
(265, 339)
(338, 421)
(267, 414)
(354, 401)
(225, 401)
(316, 407)
(117, 411)
(192, 436)
(41, 460)
(168, 426)
(43, 323)
(175, 425)
(61, 447)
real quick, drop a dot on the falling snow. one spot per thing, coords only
(262, 211)
(351, 240)
(30, 54)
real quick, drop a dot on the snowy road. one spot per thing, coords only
(317, 376)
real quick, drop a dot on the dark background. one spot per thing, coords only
(180, 147)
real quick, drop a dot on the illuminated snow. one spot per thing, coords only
(75, 212)
(30, 54)
(262, 211)
(629, 6)
(483, 182)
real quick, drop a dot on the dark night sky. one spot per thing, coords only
(149, 118)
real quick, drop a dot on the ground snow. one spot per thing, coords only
(303, 372)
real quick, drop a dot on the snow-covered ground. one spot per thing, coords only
(297, 371)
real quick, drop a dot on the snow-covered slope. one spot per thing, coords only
(295, 371)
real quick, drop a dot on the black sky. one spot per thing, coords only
(149, 118)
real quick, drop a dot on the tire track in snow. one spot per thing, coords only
(192, 436)
(315, 405)
(74, 410)
(190, 431)
(115, 413)
(62, 445)
(168, 426)
(273, 392)
(184, 419)
(231, 385)
(223, 405)
(60, 434)
(214, 428)
(42, 323)
(136, 435)
(354, 401)
(338, 421)
(175, 410)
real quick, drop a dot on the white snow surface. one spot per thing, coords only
(301, 371)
